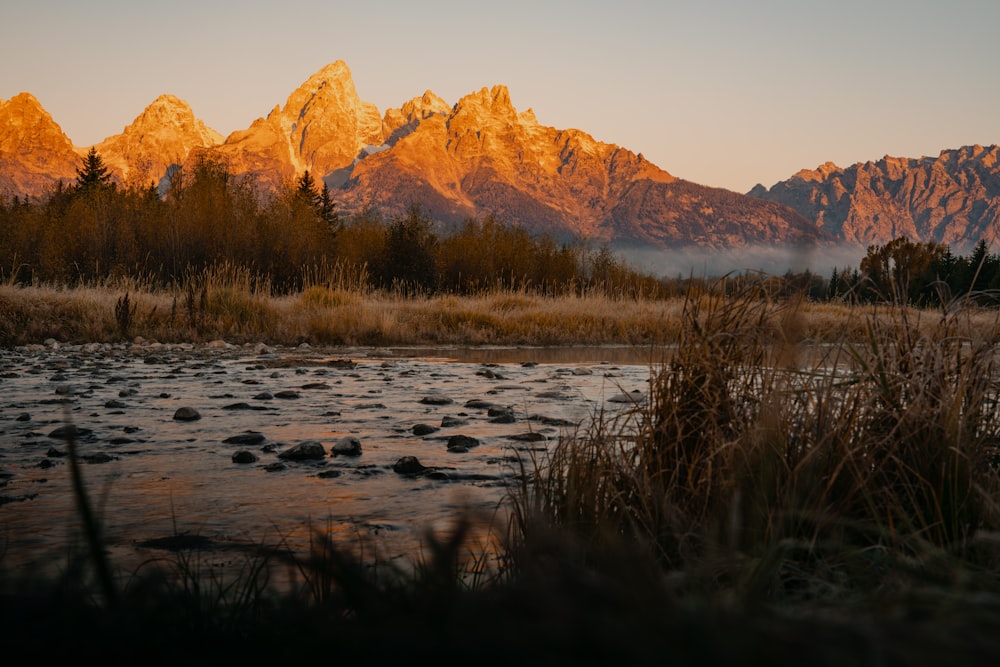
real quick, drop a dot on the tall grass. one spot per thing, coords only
(763, 466)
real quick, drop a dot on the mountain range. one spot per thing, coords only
(480, 156)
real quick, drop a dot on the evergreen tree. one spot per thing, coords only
(93, 175)
(306, 188)
(325, 209)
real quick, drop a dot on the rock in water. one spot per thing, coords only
(244, 456)
(187, 415)
(461, 443)
(304, 451)
(347, 446)
(408, 465)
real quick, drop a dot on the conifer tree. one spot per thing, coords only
(93, 175)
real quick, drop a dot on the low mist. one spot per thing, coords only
(711, 262)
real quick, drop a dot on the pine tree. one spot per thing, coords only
(325, 209)
(306, 188)
(93, 175)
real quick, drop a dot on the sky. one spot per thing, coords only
(725, 93)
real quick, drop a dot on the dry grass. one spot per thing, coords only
(862, 474)
(335, 308)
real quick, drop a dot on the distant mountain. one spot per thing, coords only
(157, 142)
(475, 158)
(953, 198)
(35, 154)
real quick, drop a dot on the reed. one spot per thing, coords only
(765, 467)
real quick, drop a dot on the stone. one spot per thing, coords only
(436, 399)
(310, 450)
(462, 443)
(69, 432)
(187, 414)
(349, 445)
(424, 429)
(244, 456)
(408, 465)
(531, 436)
(451, 422)
(246, 438)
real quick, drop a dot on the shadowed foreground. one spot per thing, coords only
(761, 507)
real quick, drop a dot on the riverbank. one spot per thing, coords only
(235, 313)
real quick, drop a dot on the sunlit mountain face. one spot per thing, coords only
(477, 157)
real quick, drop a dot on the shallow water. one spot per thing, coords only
(162, 477)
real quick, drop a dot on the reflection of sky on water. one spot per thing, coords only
(173, 477)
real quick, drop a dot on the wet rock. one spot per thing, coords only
(100, 457)
(244, 456)
(347, 446)
(310, 450)
(23, 417)
(408, 465)
(44, 464)
(187, 415)
(243, 406)
(554, 395)
(124, 393)
(531, 436)
(329, 474)
(287, 394)
(451, 422)
(114, 404)
(246, 438)
(552, 421)
(424, 429)
(70, 432)
(479, 404)
(582, 371)
(277, 466)
(436, 399)
(635, 396)
(55, 453)
(316, 385)
(264, 396)
(461, 443)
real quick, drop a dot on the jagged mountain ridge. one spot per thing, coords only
(475, 158)
(158, 141)
(35, 154)
(953, 198)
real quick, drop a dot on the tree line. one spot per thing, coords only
(94, 230)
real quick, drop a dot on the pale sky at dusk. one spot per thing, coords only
(725, 93)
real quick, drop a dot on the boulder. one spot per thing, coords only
(244, 456)
(408, 465)
(187, 415)
(347, 446)
(304, 451)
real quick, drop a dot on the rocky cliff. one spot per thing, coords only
(475, 158)
(953, 198)
(157, 142)
(35, 154)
